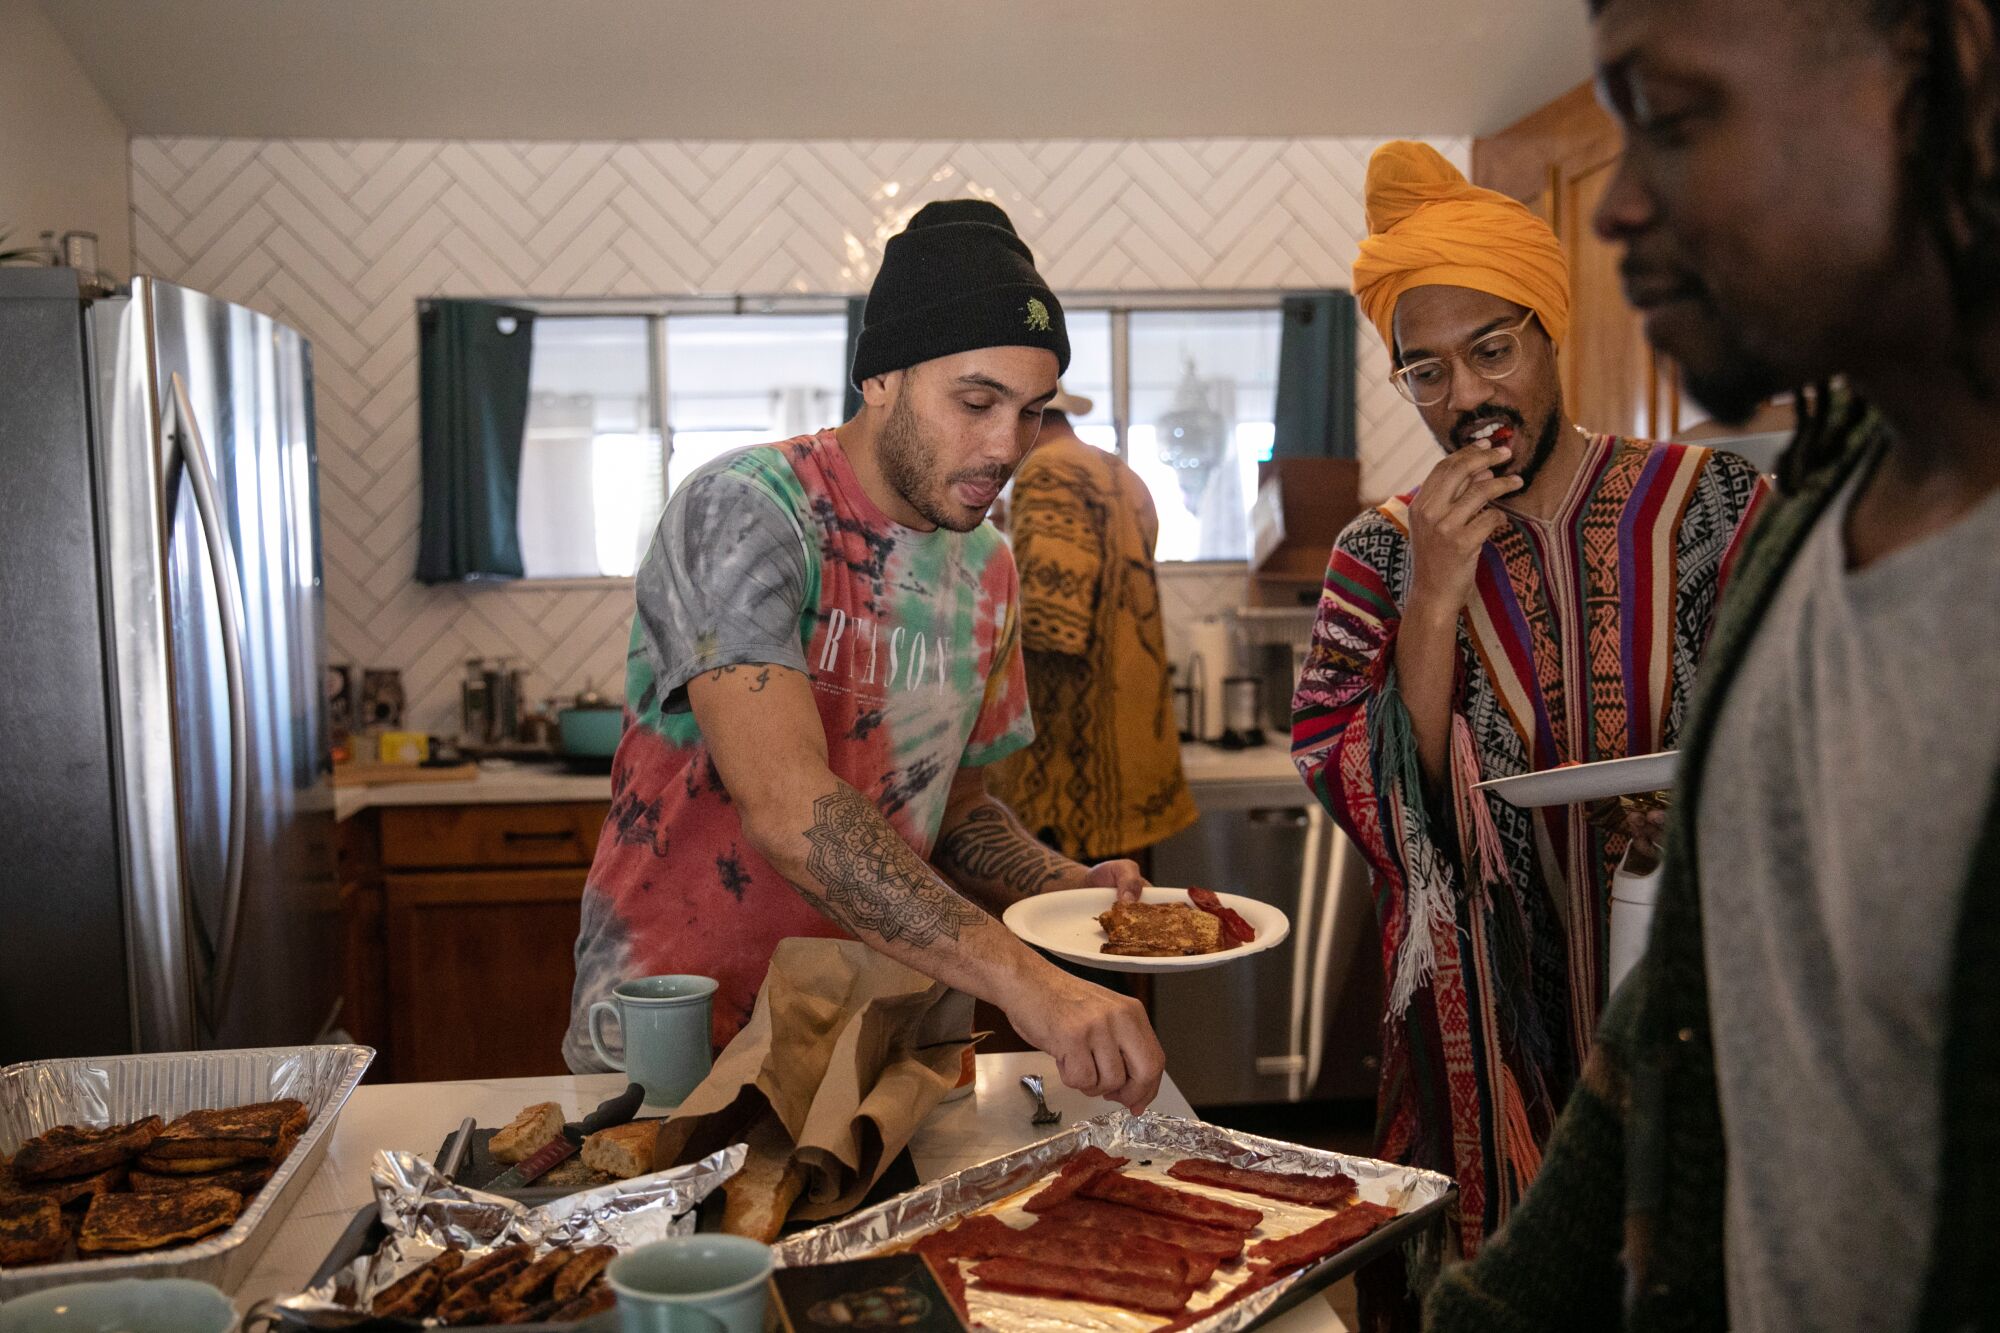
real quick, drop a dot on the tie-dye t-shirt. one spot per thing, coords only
(911, 640)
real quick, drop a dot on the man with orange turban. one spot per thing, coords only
(1540, 600)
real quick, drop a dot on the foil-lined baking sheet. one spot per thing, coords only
(425, 1214)
(1154, 1143)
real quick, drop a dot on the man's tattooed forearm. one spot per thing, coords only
(870, 879)
(990, 847)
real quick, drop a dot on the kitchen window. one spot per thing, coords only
(627, 400)
(624, 406)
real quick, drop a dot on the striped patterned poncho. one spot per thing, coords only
(1579, 643)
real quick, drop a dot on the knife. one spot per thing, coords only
(618, 1110)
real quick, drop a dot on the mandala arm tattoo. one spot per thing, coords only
(989, 848)
(871, 881)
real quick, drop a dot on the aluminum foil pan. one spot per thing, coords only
(1160, 1140)
(426, 1214)
(41, 1094)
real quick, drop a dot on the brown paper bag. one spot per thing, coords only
(850, 1049)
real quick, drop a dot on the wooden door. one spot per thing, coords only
(480, 971)
(1559, 161)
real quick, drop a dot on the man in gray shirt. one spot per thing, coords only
(1792, 1116)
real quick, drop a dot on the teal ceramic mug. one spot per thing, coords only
(665, 1022)
(703, 1283)
(127, 1305)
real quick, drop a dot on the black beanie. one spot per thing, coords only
(955, 279)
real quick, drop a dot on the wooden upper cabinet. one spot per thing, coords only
(1559, 161)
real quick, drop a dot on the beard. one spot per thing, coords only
(909, 464)
(1545, 440)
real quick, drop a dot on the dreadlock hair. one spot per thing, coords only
(1952, 191)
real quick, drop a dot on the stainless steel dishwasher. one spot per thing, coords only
(1299, 1022)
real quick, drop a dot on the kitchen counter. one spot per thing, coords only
(1219, 778)
(419, 1116)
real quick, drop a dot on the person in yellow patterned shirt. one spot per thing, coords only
(1103, 776)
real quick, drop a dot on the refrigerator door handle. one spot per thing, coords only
(222, 565)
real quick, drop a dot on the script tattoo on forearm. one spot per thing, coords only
(872, 881)
(989, 846)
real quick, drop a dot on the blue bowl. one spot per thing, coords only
(591, 733)
(127, 1305)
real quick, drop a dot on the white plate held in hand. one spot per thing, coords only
(1064, 923)
(1580, 784)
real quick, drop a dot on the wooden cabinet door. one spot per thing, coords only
(480, 971)
(1610, 374)
(1559, 161)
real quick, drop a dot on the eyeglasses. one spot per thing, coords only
(1493, 357)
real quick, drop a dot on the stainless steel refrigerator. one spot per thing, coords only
(1297, 1023)
(166, 812)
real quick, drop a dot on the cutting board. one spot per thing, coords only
(377, 775)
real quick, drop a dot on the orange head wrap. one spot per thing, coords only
(1430, 227)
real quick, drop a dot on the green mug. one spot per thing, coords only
(665, 1022)
(702, 1283)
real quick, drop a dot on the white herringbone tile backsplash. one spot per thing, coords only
(341, 239)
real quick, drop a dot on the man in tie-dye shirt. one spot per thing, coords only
(826, 656)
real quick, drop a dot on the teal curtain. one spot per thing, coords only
(473, 360)
(851, 403)
(1315, 417)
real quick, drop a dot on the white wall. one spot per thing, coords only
(62, 150)
(341, 240)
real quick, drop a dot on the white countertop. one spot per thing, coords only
(419, 1116)
(1263, 776)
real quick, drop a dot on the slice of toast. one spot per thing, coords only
(31, 1231)
(84, 1150)
(1159, 930)
(263, 1131)
(246, 1179)
(130, 1222)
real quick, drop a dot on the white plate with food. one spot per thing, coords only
(1066, 923)
(1579, 784)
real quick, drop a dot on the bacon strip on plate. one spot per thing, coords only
(1234, 926)
(1078, 1170)
(1288, 1186)
(1217, 1243)
(1328, 1238)
(1153, 1197)
(1034, 1278)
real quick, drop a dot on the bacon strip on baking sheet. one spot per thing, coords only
(1078, 1170)
(963, 1241)
(1287, 1186)
(1154, 1197)
(1318, 1242)
(1234, 926)
(1034, 1278)
(1217, 1243)
(1061, 1241)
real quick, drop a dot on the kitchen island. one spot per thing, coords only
(419, 1116)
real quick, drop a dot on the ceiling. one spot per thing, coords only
(823, 69)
